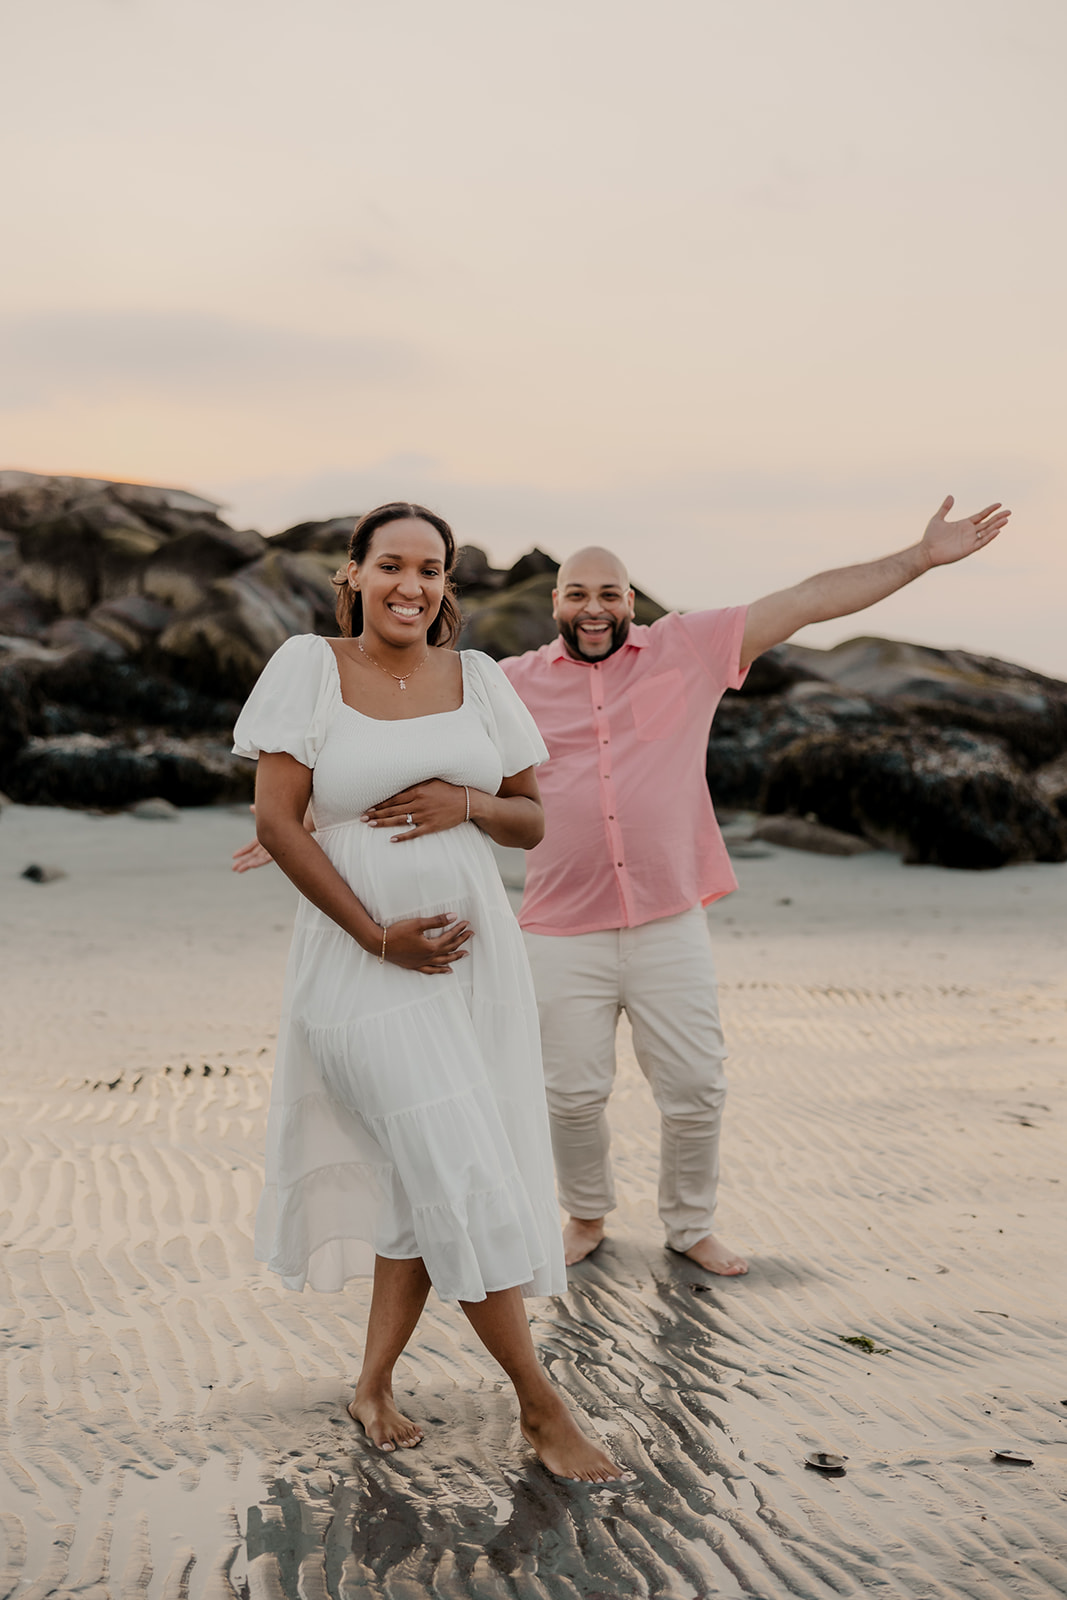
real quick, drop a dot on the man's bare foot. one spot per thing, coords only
(581, 1237)
(563, 1448)
(383, 1424)
(711, 1254)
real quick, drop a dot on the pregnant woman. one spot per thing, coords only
(408, 1134)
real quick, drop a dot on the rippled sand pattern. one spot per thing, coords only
(174, 1423)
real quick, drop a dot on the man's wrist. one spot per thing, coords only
(923, 560)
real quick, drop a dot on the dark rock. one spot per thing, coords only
(60, 564)
(84, 770)
(155, 810)
(301, 580)
(132, 621)
(29, 497)
(749, 732)
(83, 540)
(199, 771)
(181, 572)
(534, 564)
(80, 770)
(779, 669)
(516, 619)
(326, 538)
(108, 696)
(22, 613)
(801, 833)
(16, 705)
(211, 653)
(165, 506)
(71, 633)
(221, 648)
(37, 873)
(93, 551)
(1051, 784)
(472, 570)
(953, 688)
(941, 797)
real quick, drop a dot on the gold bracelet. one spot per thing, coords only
(385, 934)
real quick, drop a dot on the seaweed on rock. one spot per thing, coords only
(942, 797)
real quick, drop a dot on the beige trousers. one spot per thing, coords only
(662, 976)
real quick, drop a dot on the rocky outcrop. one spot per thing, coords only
(82, 769)
(946, 756)
(951, 689)
(941, 797)
(134, 620)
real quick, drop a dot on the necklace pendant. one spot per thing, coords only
(401, 682)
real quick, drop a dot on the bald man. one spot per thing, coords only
(613, 910)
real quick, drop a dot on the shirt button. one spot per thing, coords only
(603, 741)
(611, 816)
(618, 863)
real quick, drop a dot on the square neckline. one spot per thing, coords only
(423, 715)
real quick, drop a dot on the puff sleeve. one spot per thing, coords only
(289, 708)
(507, 721)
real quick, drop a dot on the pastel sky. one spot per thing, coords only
(740, 289)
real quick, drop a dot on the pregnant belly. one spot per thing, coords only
(417, 878)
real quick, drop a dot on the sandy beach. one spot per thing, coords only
(174, 1421)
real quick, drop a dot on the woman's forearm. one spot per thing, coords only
(514, 820)
(308, 867)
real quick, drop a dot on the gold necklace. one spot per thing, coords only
(402, 680)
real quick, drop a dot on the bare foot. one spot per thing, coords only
(383, 1424)
(563, 1448)
(711, 1254)
(581, 1237)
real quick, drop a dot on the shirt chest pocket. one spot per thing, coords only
(658, 705)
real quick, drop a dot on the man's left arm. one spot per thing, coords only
(844, 590)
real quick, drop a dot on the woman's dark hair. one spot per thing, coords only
(444, 629)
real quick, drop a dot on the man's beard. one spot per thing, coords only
(572, 640)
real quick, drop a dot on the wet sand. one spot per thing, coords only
(173, 1422)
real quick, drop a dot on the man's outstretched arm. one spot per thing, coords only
(846, 589)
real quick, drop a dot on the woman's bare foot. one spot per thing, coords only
(384, 1425)
(562, 1447)
(711, 1254)
(581, 1237)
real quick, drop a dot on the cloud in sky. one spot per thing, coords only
(56, 354)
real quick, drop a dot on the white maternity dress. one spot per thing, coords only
(407, 1112)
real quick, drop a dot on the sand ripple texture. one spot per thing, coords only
(174, 1423)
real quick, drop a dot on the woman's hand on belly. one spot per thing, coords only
(430, 807)
(421, 946)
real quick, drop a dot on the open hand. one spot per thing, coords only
(429, 807)
(946, 541)
(251, 855)
(416, 945)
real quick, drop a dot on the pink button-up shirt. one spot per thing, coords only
(630, 832)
